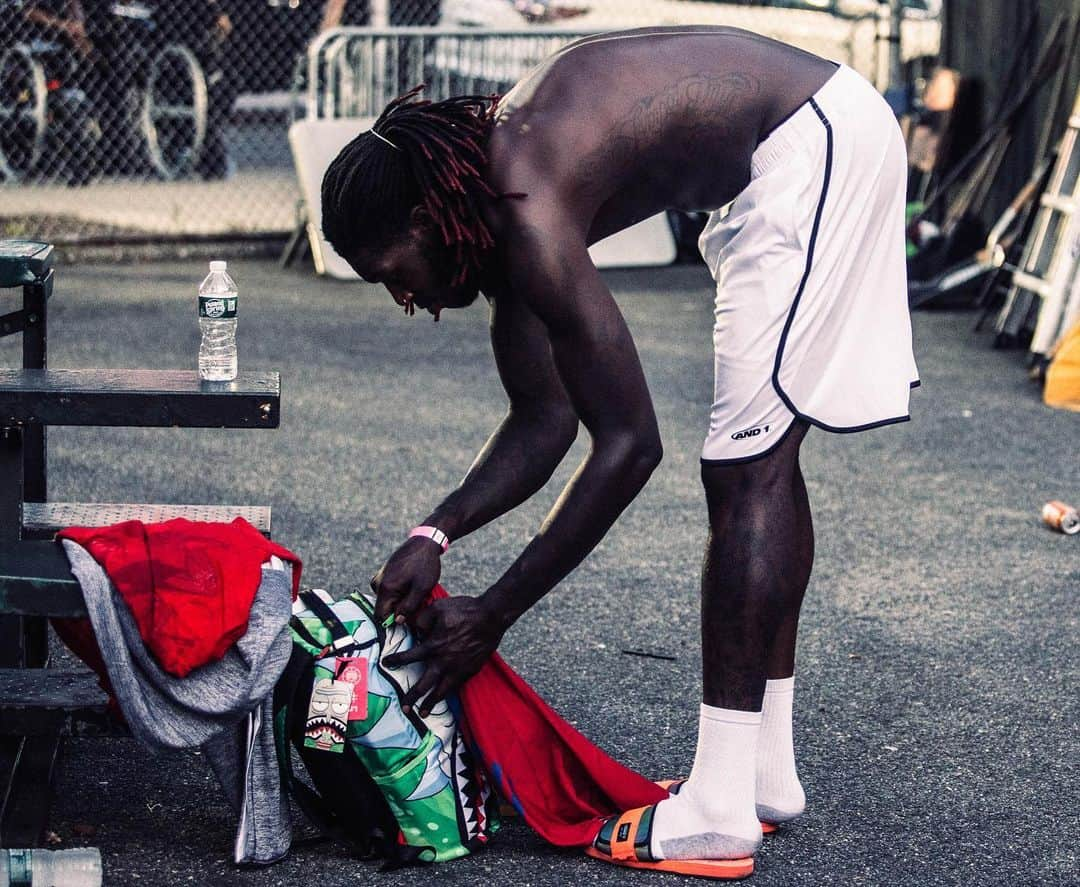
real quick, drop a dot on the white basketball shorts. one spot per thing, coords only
(812, 314)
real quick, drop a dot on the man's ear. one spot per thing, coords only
(420, 219)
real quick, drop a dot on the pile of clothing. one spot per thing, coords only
(188, 632)
(191, 628)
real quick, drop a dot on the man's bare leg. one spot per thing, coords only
(757, 564)
(781, 662)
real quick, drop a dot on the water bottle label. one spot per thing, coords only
(217, 307)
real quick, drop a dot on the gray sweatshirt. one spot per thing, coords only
(224, 707)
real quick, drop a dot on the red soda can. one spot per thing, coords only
(1061, 517)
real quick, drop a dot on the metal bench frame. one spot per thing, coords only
(24, 642)
(38, 706)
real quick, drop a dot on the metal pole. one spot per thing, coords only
(888, 64)
(35, 337)
(380, 13)
(14, 639)
(896, 62)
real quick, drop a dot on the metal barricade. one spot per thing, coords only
(355, 72)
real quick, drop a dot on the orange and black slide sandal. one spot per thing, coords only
(673, 786)
(624, 840)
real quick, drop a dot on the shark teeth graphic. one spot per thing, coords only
(467, 789)
(316, 727)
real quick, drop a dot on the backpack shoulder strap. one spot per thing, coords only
(319, 605)
(287, 717)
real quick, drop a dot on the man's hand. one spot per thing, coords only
(458, 634)
(406, 580)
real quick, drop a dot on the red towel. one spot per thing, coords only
(561, 784)
(188, 584)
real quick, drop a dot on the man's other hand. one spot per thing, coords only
(406, 579)
(458, 635)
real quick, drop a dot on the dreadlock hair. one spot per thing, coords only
(418, 153)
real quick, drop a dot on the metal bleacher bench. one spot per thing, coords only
(39, 705)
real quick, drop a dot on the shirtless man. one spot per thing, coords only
(440, 202)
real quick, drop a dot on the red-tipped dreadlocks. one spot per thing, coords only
(418, 153)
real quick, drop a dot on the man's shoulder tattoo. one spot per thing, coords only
(679, 119)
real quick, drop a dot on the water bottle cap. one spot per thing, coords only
(217, 267)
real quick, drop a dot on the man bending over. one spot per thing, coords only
(441, 202)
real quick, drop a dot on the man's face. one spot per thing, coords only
(416, 270)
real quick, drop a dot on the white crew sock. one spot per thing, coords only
(780, 795)
(712, 816)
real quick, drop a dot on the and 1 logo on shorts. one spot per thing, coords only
(217, 308)
(750, 432)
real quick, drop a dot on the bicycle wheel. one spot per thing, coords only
(174, 111)
(23, 97)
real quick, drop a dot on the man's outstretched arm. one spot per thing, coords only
(517, 460)
(600, 370)
(598, 365)
(539, 428)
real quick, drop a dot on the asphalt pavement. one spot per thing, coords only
(936, 703)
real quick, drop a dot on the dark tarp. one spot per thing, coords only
(980, 39)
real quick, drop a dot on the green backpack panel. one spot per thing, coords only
(341, 709)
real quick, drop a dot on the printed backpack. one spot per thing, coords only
(394, 785)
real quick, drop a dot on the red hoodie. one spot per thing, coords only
(188, 584)
(561, 784)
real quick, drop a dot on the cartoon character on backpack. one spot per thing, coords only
(327, 713)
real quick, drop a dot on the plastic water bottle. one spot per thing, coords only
(217, 320)
(50, 868)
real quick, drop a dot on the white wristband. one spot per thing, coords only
(434, 534)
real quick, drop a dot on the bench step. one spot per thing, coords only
(35, 580)
(44, 701)
(42, 519)
(138, 398)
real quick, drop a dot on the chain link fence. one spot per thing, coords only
(170, 119)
